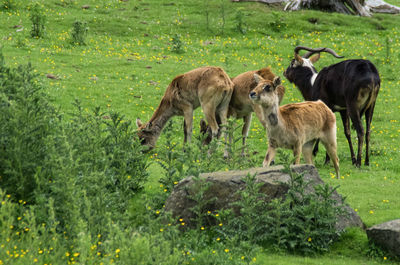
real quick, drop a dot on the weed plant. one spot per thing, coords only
(278, 23)
(302, 222)
(7, 4)
(66, 183)
(177, 44)
(79, 32)
(240, 23)
(223, 18)
(38, 19)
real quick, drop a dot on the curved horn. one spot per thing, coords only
(311, 51)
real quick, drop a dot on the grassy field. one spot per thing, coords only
(135, 48)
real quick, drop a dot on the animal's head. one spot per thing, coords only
(303, 64)
(146, 134)
(265, 92)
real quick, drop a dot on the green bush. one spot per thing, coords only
(79, 33)
(38, 19)
(90, 165)
(27, 120)
(302, 223)
(240, 23)
(7, 4)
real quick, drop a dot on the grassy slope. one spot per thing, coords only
(128, 62)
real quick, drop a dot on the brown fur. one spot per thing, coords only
(295, 126)
(240, 106)
(208, 87)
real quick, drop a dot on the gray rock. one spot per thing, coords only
(387, 236)
(224, 186)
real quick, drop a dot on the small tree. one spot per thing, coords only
(79, 32)
(38, 19)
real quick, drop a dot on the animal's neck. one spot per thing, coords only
(273, 117)
(160, 117)
(304, 80)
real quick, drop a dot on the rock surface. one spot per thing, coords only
(387, 236)
(223, 186)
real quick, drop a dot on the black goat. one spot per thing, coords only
(350, 87)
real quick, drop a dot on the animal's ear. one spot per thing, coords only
(138, 123)
(298, 58)
(315, 58)
(277, 81)
(257, 78)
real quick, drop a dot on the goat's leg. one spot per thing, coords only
(188, 123)
(205, 132)
(307, 151)
(297, 149)
(209, 113)
(355, 118)
(315, 151)
(347, 133)
(332, 151)
(185, 136)
(368, 119)
(245, 130)
(329, 141)
(269, 156)
(223, 117)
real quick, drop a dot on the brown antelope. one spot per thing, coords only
(295, 126)
(241, 106)
(208, 87)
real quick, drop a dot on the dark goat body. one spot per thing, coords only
(350, 87)
(352, 75)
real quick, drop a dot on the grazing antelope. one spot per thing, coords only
(295, 126)
(208, 87)
(241, 107)
(350, 87)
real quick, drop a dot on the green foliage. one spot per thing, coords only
(177, 44)
(277, 22)
(196, 157)
(38, 19)
(79, 33)
(207, 13)
(378, 253)
(302, 223)
(84, 170)
(223, 19)
(27, 120)
(240, 23)
(7, 4)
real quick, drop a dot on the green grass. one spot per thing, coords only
(128, 62)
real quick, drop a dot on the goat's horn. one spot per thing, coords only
(311, 51)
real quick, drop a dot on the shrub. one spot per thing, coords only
(277, 22)
(177, 44)
(27, 120)
(241, 26)
(90, 165)
(7, 4)
(302, 223)
(38, 19)
(79, 33)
